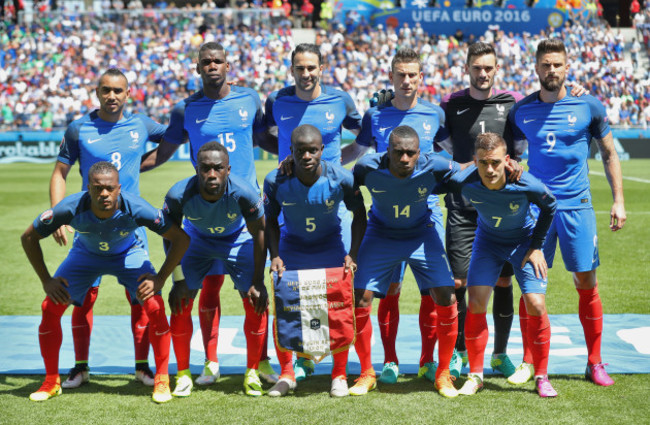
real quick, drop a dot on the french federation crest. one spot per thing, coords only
(514, 208)
(314, 324)
(47, 217)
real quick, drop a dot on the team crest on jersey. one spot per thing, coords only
(329, 203)
(423, 192)
(124, 233)
(514, 208)
(243, 114)
(572, 120)
(330, 117)
(426, 127)
(232, 217)
(135, 139)
(500, 109)
(47, 217)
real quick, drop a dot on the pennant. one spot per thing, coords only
(314, 311)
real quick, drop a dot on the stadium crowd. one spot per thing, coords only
(48, 68)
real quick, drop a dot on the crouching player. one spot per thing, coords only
(400, 229)
(105, 221)
(311, 237)
(506, 231)
(224, 217)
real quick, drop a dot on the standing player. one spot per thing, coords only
(106, 222)
(218, 210)
(400, 229)
(106, 134)
(232, 116)
(506, 231)
(428, 121)
(324, 107)
(309, 199)
(475, 110)
(559, 129)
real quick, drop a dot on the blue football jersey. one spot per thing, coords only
(329, 112)
(399, 206)
(90, 139)
(310, 212)
(236, 121)
(224, 218)
(427, 119)
(504, 215)
(112, 236)
(558, 136)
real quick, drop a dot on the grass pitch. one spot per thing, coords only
(117, 399)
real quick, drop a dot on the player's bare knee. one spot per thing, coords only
(443, 296)
(460, 283)
(585, 280)
(535, 304)
(363, 298)
(394, 288)
(504, 282)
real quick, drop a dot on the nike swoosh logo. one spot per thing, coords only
(462, 112)
(162, 333)
(283, 118)
(45, 333)
(206, 310)
(193, 218)
(91, 141)
(540, 343)
(373, 190)
(505, 315)
(527, 121)
(288, 204)
(142, 327)
(543, 285)
(475, 202)
(593, 318)
(446, 324)
(198, 121)
(81, 232)
(382, 129)
(79, 326)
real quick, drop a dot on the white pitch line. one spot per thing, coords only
(634, 179)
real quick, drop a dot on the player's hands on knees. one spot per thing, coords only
(277, 265)
(350, 265)
(286, 166)
(259, 297)
(179, 297)
(381, 97)
(514, 169)
(536, 258)
(577, 90)
(149, 285)
(55, 289)
(617, 217)
(59, 234)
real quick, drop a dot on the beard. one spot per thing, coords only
(552, 85)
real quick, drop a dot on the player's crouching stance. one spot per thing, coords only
(506, 231)
(106, 243)
(218, 208)
(400, 229)
(311, 237)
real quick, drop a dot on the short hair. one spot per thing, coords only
(306, 131)
(550, 45)
(403, 132)
(489, 142)
(212, 146)
(210, 45)
(307, 48)
(480, 49)
(406, 55)
(114, 72)
(102, 167)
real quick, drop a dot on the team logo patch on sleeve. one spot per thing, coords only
(266, 199)
(47, 217)
(159, 217)
(165, 207)
(257, 206)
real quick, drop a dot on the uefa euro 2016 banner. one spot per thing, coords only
(471, 20)
(314, 311)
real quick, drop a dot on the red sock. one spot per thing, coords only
(523, 324)
(140, 329)
(285, 357)
(364, 336)
(590, 311)
(82, 325)
(476, 338)
(428, 318)
(182, 329)
(388, 321)
(264, 354)
(210, 315)
(159, 334)
(255, 326)
(50, 336)
(539, 339)
(340, 360)
(447, 328)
